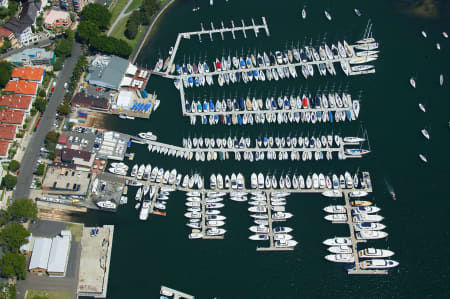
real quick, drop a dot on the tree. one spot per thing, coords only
(42, 93)
(23, 208)
(111, 45)
(40, 104)
(13, 265)
(150, 7)
(132, 29)
(12, 7)
(40, 169)
(52, 137)
(9, 181)
(4, 12)
(57, 66)
(13, 165)
(5, 73)
(13, 235)
(6, 45)
(64, 109)
(63, 47)
(97, 14)
(51, 155)
(87, 31)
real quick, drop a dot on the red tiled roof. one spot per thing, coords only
(11, 116)
(28, 73)
(21, 87)
(4, 146)
(63, 139)
(7, 131)
(15, 101)
(5, 32)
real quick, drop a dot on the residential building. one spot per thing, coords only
(28, 73)
(13, 117)
(21, 27)
(57, 19)
(7, 132)
(15, 101)
(82, 100)
(6, 34)
(39, 257)
(33, 57)
(22, 87)
(4, 147)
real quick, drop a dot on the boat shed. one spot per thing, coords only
(59, 256)
(107, 71)
(39, 257)
(125, 99)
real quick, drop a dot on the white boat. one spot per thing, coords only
(340, 258)
(147, 135)
(369, 226)
(282, 236)
(412, 82)
(134, 170)
(365, 210)
(425, 133)
(423, 158)
(282, 229)
(338, 218)
(143, 215)
(441, 79)
(214, 231)
(335, 209)
(358, 193)
(285, 243)
(367, 218)
(424, 34)
(106, 204)
(259, 237)
(281, 216)
(332, 193)
(304, 12)
(338, 241)
(195, 235)
(215, 223)
(375, 253)
(444, 34)
(378, 264)
(192, 215)
(422, 107)
(344, 249)
(370, 234)
(327, 15)
(259, 229)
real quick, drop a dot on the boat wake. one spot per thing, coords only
(390, 189)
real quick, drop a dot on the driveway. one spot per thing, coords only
(32, 152)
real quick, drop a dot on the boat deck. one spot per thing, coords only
(176, 294)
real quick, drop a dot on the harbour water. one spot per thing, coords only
(157, 252)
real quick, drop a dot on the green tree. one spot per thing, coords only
(13, 165)
(52, 137)
(40, 169)
(42, 93)
(13, 265)
(9, 181)
(131, 29)
(149, 7)
(4, 218)
(5, 73)
(111, 45)
(23, 208)
(63, 47)
(40, 104)
(12, 7)
(6, 45)
(51, 155)
(57, 66)
(70, 35)
(4, 12)
(97, 14)
(64, 109)
(13, 235)
(87, 31)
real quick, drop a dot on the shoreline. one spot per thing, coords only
(149, 30)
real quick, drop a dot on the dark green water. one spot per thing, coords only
(157, 252)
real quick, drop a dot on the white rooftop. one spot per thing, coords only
(59, 254)
(131, 70)
(124, 99)
(41, 251)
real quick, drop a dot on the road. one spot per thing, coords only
(40, 44)
(122, 15)
(32, 152)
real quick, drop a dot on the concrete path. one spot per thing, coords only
(122, 15)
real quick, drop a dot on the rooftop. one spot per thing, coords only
(11, 116)
(32, 53)
(59, 254)
(91, 101)
(28, 73)
(41, 250)
(21, 87)
(5, 32)
(4, 146)
(7, 131)
(56, 14)
(107, 71)
(66, 181)
(15, 101)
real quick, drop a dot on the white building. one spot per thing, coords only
(39, 257)
(59, 256)
(4, 3)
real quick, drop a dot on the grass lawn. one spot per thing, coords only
(76, 229)
(135, 4)
(119, 32)
(49, 294)
(116, 9)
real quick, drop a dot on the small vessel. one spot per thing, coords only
(338, 218)
(357, 203)
(412, 82)
(285, 243)
(304, 12)
(335, 209)
(357, 12)
(367, 218)
(340, 258)
(370, 235)
(424, 34)
(143, 215)
(422, 107)
(375, 253)
(441, 79)
(327, 15)
(423, 158)
(106, 204)
(378, 264)
(369, 226)
(444, 34)
(425, 133)
(338, 241)
(344, 249)
(259, 237)
(365, 210)
(195, 235)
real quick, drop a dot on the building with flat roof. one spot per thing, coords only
(39, 257)
(16, 101)
(32, 57)
(57, 19)
(107, 71)
(66, 181)
(59, 256)
(82, 100)
(22, 87)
